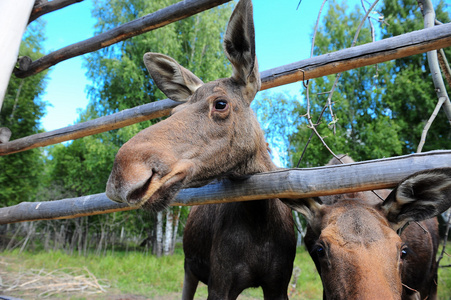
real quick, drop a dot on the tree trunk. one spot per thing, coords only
(167, 245)
(159, 230)
(11, 241)
(102, 236)
(85, 246)
(176, 227)
(80, 236)
(60, 237)
(30, 228)
(301, 231)
(48, 234)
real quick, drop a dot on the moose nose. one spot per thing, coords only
(124, 185)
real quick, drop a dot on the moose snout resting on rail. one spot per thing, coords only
(355, 244)
(213, 134)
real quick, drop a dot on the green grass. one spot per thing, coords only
(140, 274)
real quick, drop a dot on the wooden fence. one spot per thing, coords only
(293, 183)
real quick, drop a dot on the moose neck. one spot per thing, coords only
(260, 161)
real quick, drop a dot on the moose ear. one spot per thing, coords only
(420, 196)
(308, 207)
(176, 82)
(239, 47)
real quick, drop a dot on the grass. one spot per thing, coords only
(137, 273)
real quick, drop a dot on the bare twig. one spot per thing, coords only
(440, 102)
(329, 98)
(316, 27)
(373, 37)
(307, 85)
(329, 102)
(311, 136)
(362, 22)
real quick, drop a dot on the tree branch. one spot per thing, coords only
(440, 102)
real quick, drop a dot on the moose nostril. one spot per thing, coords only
(122, 188)
(111, 193)
(137, 193)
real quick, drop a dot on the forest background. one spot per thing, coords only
(379, 111)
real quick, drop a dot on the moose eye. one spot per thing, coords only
(404, 252)
(220, 104)
(320, 250)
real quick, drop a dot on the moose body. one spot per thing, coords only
(213, 134)
(234, 246)
(356, 248)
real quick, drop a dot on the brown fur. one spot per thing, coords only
(352, 231)
(213, 134)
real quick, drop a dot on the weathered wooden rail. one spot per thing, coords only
(392, 48)
(285, 183)
(160, 18)
(46, 7)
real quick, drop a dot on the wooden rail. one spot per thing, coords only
(160, 18)
(392, 48)
(285, 183)
(114, 121)
(400, 46)
(48, 6)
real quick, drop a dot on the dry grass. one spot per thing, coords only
(41, 283)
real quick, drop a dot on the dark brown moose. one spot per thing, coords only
(356, 248)
(213, 134)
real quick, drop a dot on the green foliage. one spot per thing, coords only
(379, 111)
(21, 112)
(411, 97)
(121, 81)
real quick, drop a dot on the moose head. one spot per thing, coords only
(357, 249)
(213, 133)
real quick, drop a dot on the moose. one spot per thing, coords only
(419, 269)
(355, 245)
(212, 134)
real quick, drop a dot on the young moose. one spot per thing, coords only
(214, 133)
(419, 265)
(356, 248)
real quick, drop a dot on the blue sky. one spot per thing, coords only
(282, 37)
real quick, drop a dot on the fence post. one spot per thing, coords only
(13, 22)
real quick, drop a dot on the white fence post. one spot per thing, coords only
(14, 17)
